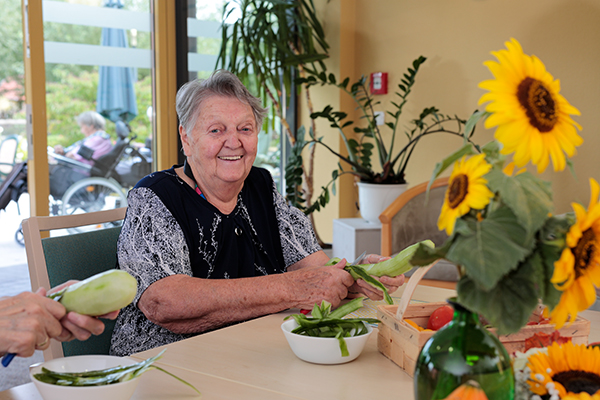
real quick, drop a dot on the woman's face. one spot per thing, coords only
(87, 130)
(222, 145)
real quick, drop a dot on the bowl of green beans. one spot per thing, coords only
(328, 336)
(326, 350)
(90, 377)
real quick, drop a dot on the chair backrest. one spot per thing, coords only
(8, 154)
(413, 217)
(54, 260)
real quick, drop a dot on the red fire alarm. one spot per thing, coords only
(379, 83)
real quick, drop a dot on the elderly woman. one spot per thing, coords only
(212, 242)
(92, 126)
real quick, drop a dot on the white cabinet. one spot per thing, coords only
(352, 236)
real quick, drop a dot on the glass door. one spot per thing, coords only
(98, 93)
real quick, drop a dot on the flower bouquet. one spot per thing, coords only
(511, 250)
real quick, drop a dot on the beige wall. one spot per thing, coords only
(457, 37)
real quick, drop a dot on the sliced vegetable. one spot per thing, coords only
(105, 376)
(100, 294)
(327, 323)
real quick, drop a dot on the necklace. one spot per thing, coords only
(188, 171)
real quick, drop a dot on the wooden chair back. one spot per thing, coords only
(413, 217)
(54, 260)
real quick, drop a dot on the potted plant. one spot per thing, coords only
(267, 48)
(375, 163)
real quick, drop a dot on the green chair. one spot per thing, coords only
(54, 260)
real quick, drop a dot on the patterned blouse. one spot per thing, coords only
(169, 229)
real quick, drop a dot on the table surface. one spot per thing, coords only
(252, 360)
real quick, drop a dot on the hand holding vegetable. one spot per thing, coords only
(311, 285)
(392, 267)
(29, 320)
(361, 287)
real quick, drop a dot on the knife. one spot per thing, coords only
(356, 261)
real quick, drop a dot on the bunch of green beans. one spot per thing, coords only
(326, 323)
(105, 376)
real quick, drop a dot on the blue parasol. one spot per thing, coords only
(115, 99)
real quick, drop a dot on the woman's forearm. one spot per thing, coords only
(185, 304)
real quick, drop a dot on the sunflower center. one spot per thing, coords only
(584, 251)
(578, 381)
(458, 190)
(538, 103)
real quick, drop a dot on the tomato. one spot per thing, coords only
(440, 317)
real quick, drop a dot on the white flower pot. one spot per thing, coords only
(374, 198)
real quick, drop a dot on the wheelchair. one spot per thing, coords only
(77, 187)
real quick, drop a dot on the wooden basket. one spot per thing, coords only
(402, 343)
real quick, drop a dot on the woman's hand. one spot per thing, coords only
(28, 321)
(312, 285)
(362, 288)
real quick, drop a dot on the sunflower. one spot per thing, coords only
(578, 269)
(466, 190)
(533, 120)
(566, 368)
(581, 396)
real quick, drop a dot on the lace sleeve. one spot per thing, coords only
(152, 245)
(297, 236)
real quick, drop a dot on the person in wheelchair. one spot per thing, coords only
(96, 141)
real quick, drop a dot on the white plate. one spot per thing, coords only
(116, 391)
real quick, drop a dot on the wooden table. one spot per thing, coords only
(252, 360)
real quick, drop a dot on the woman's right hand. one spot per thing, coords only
(27, 322)
(312, 285)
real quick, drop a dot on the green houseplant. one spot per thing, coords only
(270, 45)
(369, 157)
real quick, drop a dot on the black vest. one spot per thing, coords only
(244, 243)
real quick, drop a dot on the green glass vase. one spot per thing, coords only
(461, 351)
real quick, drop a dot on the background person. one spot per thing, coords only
(213, 242)
(92, 125)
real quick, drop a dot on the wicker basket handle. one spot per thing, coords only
(410, 288)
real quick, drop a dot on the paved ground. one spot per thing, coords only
(14, 279)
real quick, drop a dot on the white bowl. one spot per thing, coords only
(323, 350)
(115, 391)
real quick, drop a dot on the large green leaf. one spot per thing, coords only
(508, 305)
(529, 197)
(490, 248)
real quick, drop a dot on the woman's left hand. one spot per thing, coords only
(362, 288)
